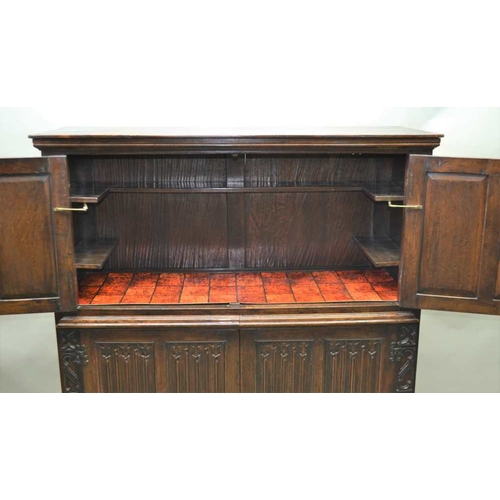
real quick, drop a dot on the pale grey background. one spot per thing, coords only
(458, 352)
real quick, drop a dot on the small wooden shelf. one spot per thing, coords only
(380, 250)
(88, 193)
(93, 254)
(384, 192)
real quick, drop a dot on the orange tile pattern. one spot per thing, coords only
(244, 287)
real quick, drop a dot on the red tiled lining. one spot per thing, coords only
(244, 287)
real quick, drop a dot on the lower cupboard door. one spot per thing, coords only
(149, 361)
(379, 358)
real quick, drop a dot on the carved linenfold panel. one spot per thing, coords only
(284, 366)
(73, 358)
(353, 365)
(195, 366)
(404, 354)
(126, 367)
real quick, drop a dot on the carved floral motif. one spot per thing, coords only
(73, 357)
(404, 353)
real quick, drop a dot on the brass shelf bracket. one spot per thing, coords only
(415, 207)
(85, 208)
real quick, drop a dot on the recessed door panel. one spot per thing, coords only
(455, 209)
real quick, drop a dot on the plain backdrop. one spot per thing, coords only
(457, 352)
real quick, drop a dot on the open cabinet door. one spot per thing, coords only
(37, 259)
(450, 247)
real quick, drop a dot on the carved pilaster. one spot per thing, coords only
(73, 358)
(404, 353)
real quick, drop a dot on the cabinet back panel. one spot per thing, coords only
(158, 231)
(315, 170)
(302, 230)
(151, 171)
(235, 230)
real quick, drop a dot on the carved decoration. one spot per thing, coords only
(195, 366)
(73, 358)
(284, 366)
(353, 365)
(404, 354)
(126, 367)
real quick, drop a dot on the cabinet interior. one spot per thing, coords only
(241, 228)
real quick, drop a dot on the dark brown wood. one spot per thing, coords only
(305, 230)
(267, 200)
(450, 256)
(151, 171)
(144, 188)
(356, 356)
(72, 361)
(292, 189)
(317, 171)
(380, 250)
(178, 360)
(162, 232)
(194, 141)
(329, 359)
(236, 212)
(384, 192)
(93, 254)
(36, 247)
(88, 193)
(257, 319)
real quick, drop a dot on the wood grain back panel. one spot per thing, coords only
(317, 170)
(159, 228)
(301, 230)
(151, 171)
(157, 231)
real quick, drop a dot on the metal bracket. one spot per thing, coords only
(415, 207)
(85, 208)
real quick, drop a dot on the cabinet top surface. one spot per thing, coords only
(123, 132)
(192, 140)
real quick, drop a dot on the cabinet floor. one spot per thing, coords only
(241, 287)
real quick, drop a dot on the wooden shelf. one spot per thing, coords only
(377, 192)
(281, 189)
(88, 193)
(384, 192)
(93, 254)
(380, 250)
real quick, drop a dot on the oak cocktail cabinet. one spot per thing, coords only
(183, 260)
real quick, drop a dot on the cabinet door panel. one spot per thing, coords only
(450, 248)
(37, 270)
(357, 359)
(174, 360)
